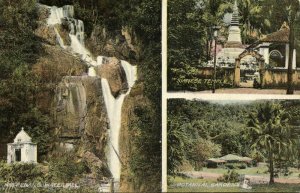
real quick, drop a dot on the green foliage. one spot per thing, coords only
(20, 48)
(230, 177)
(236, 165)
(20, 172)
(193, 125)
(185, 37)
(145, 161)
(178, 142)
(65, 169)
(271, 135)
(201, 150)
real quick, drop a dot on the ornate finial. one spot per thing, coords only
(284, 26)
(235, 7)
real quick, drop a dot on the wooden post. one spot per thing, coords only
(237, 73)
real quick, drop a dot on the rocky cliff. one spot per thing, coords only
(79, 115)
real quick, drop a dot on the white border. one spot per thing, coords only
(164, 186)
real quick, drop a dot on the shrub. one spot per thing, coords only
(230, 166)
(65, 169)
(242, 166)
(236, 166)
(231, 176)
(20, 172)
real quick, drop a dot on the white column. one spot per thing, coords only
(266, 55)
(35, 153)
(294, 59)
(287, 52)
(24, 155)
(9, 157)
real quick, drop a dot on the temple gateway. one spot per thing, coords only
(22, 149)
(264, 62)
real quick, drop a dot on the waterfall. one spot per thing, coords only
(114, 109)
(57, 15)
(113, 105)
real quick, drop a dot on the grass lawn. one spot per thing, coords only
(204, 185)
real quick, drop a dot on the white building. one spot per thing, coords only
(275, 48)
(22, 149)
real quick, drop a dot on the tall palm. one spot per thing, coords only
(252, 19)
(269, 133)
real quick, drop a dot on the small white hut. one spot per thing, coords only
(22, 149)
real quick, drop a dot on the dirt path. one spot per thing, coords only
(253, 178)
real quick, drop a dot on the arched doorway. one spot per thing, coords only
(237, 72)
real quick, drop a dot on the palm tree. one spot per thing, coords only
(252, 19)
(270, 134)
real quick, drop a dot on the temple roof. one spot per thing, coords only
(281, 36)
(22, 137)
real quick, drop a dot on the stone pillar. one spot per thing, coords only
(9, 154)
(287, 52)
(237, 73)
(262, 71)
(294, 59)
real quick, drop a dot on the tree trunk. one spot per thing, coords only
(271, 160)
(290, 87)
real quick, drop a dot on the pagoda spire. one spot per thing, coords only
(234, 38)
(235, 15)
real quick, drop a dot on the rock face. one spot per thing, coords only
(112, 70)
(80, 113)
(122, 45)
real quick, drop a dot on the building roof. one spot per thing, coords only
(22, 137)
(246, 159)
(281, 36)
(216, 160)
(231, 157)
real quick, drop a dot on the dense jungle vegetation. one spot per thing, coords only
(199, 130)
(190, 33)
(19, 87)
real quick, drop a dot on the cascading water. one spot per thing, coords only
(57, 15)
(114, 109)
(113, 105)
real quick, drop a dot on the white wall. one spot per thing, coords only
(28, 153)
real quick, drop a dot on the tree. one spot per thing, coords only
(270, 134)
(178, 142)
(293, 9)
(186, 38)
(203, 149)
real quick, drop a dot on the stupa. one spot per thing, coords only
(233, 47)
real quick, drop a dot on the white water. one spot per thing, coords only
(76, 32)
(114, 110)
(113, 105)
